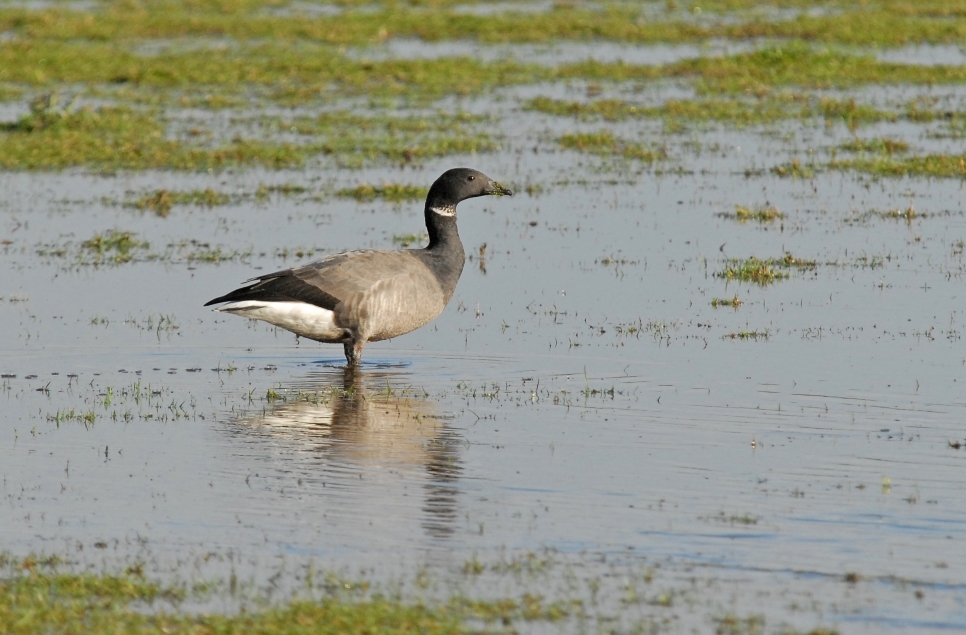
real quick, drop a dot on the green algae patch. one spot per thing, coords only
(392, 192)
(604, 143)
(943, 166)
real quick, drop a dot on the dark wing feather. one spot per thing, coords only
(327, 282)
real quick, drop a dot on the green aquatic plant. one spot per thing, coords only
(393, 192)
(42, 595)
(930, 165)
(751, 270)
(120, 138)
(735, 111)
(747, 335)
(763, 272)
(604, 143)
(888, 22)
(161, 201)
(113, 246)
(760, 214)
(877, 146)
(734, 302)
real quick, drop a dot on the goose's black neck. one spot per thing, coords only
(444, 254)
(441, 227)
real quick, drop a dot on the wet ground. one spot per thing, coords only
(581, 421)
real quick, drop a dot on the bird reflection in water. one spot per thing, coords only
(369, 423)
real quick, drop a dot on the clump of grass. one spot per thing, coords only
(407, 239)
(739, 112)
(850, 112)
(113, 246)
(604, 143)
(794, 169)
(734, 625)
(799, 64)
(751, 270)
(788, 260)
(40, 599)
(747, 335)
(10, 93)
(734, 302)
(111, 138)
(758, 213)
(763, 272)
(393, 192)
(353, 139)
(931, 165)
(64, 416)
(878, 146)
(285, 189)
(161, 201)
(38, 596)
(883, 23)
(121, 138)
(909, 214)
(45, 112)
(607, 109)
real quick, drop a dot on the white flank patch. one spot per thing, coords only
(444, 211)
(302, 319)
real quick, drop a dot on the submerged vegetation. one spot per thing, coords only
(886, 22)
(251, 86)
(759, 214)
(43, 599)
(931, 165)
(734, 111)
(161, 201)
(39, 595)
(111, 138)
(393, 192)
(605, 144)
(763, 272)
(129, 68)
(734, 302)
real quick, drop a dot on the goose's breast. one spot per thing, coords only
(394, 306)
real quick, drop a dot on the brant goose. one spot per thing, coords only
(367, 296)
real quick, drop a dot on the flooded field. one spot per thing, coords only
(700, 374)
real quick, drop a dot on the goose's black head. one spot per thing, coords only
(458, 185)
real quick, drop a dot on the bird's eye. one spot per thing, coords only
(471, 177)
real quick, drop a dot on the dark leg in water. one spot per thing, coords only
(353, 352)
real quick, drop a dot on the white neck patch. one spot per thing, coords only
(444, 211)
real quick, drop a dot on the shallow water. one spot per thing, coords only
(579, 399)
